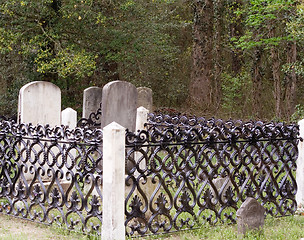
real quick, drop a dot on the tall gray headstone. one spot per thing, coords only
(145, 98)
(40, 103)
(250, 216)
(119, 104)
(92, 98)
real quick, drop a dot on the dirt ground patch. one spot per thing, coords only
(18, 229)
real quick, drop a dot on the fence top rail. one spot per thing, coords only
(225, 132)
(207, 131)
(48, 133)
(193, 121)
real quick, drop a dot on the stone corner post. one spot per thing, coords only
(69, 118)
(113, 210)
(141, 118)
(300, 169)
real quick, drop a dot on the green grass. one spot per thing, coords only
(285, 228)
(18, 229)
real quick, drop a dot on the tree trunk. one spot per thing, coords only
(290, 90)
(201, 76)
(236, 30)
(276, 80)
(45, 23)
(218, 25)
(276, 74)
(257, 82)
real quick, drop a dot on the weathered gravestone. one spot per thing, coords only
(144, 98)
(69, 118)
(92, 98)
(39, 103)
(250, 216)
(221, 185)
(119, 104)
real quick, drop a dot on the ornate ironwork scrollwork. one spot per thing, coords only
(191, 170)
(214, 131)
(184, 172)
(93, 121)
(51, 175)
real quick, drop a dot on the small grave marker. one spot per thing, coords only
(220, 183)
(69, 118)
(250, 216)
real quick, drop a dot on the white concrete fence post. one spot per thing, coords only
(69, 118)
(141, 119)
(146, 184)
(300, 170)
(113, 210)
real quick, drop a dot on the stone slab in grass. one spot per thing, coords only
(250, 216)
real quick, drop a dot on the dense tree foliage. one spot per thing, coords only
(256, 53)
(77, 44)
(235, 58)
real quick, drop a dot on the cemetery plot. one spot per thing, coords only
(179, 172)
(202, 174)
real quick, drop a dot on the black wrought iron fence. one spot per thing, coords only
(187, 174)
(180, 174)
(158, 119)
(51, 175)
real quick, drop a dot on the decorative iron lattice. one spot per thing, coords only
(179, 176)
(182, 177)
(93, 121)
(51, 175)
(159, 119)
(190, 122)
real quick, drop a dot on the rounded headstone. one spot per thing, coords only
(119, 104)
(92, 98)
(39, 103)
(250, 216)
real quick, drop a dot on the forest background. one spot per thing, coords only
(227, 59)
